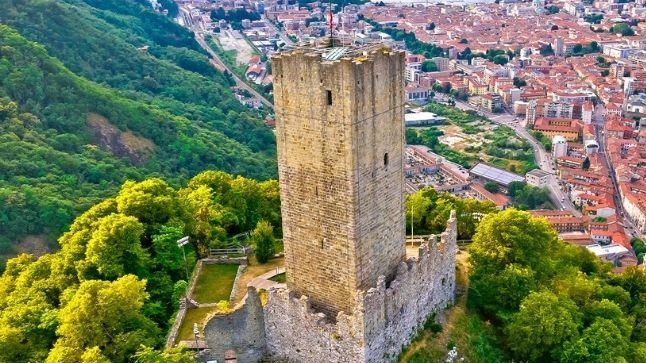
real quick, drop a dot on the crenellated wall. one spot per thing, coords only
(241, 330)
(383, 321)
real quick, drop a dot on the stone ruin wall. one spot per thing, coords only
(242, 330)
(383, 321)
(425, 285)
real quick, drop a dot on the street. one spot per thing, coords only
(197, 29)
(542, 157)
(598, 120)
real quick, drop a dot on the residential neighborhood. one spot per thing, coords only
(574, 88)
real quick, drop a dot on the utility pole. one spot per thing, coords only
(412, 235)
(181, 243)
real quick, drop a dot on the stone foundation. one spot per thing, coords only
(383, 321)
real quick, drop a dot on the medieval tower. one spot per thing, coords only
(340, 161)
(352, 295)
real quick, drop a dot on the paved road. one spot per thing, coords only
(280, 33)
(220, 65)
(599, 121)
(541, 156)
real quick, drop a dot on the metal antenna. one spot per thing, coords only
(331, 24)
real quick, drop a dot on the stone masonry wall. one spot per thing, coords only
(340, 141)
(384, 319)
(242, 330)
(422, 286)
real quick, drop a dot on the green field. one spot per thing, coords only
(215, 283)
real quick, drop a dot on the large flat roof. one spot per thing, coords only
(422, 116)
(601, 251)
(494, 174)
(538, 172)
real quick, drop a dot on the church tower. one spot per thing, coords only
(340, 136)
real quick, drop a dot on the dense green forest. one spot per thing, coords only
(532, 298)
(114, 286)
(550, 301)
(93, 93)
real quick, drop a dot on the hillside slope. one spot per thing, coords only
(84, 107)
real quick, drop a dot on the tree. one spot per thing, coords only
(106, 315)
(417, 205)
(577, 48)
(504, 239)
(546, 50)
(172, 355)
(206, 219)
(492, 187)
(168, 257)
(594, 46)
(526, 196)
(501, 59)
(623, 29)
(519, 82)
(263, 239)
(552, 9)
(593, 18)
(600, 342)
(464, 41)
(446, 87)
(542, 324)
(151, 201)
(609, 310)
(586, 164)
(114, 248)
(93, 355)
(429, 66)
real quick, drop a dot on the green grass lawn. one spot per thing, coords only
(193, 316)
(215, 283)
(280, 278)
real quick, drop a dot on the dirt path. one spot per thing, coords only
(254, 270)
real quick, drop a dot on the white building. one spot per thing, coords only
(537, 178)
(618, 50)
(559, 146)
(609, 253)
(422, 119)
(586, 112)
(591, 146)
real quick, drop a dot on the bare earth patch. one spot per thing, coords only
(121, 143)
(233, 40)
(35, 244)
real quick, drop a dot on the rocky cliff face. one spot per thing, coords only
(119, 143)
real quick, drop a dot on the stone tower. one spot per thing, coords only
(340, 136)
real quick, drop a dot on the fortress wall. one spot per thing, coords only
(384, 320)
(296, 333)
(242, 330)
(422, 286)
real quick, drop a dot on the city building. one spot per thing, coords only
(537, 178)
(550, 127)
(488, 173)
(559, 146)
(423, 119)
